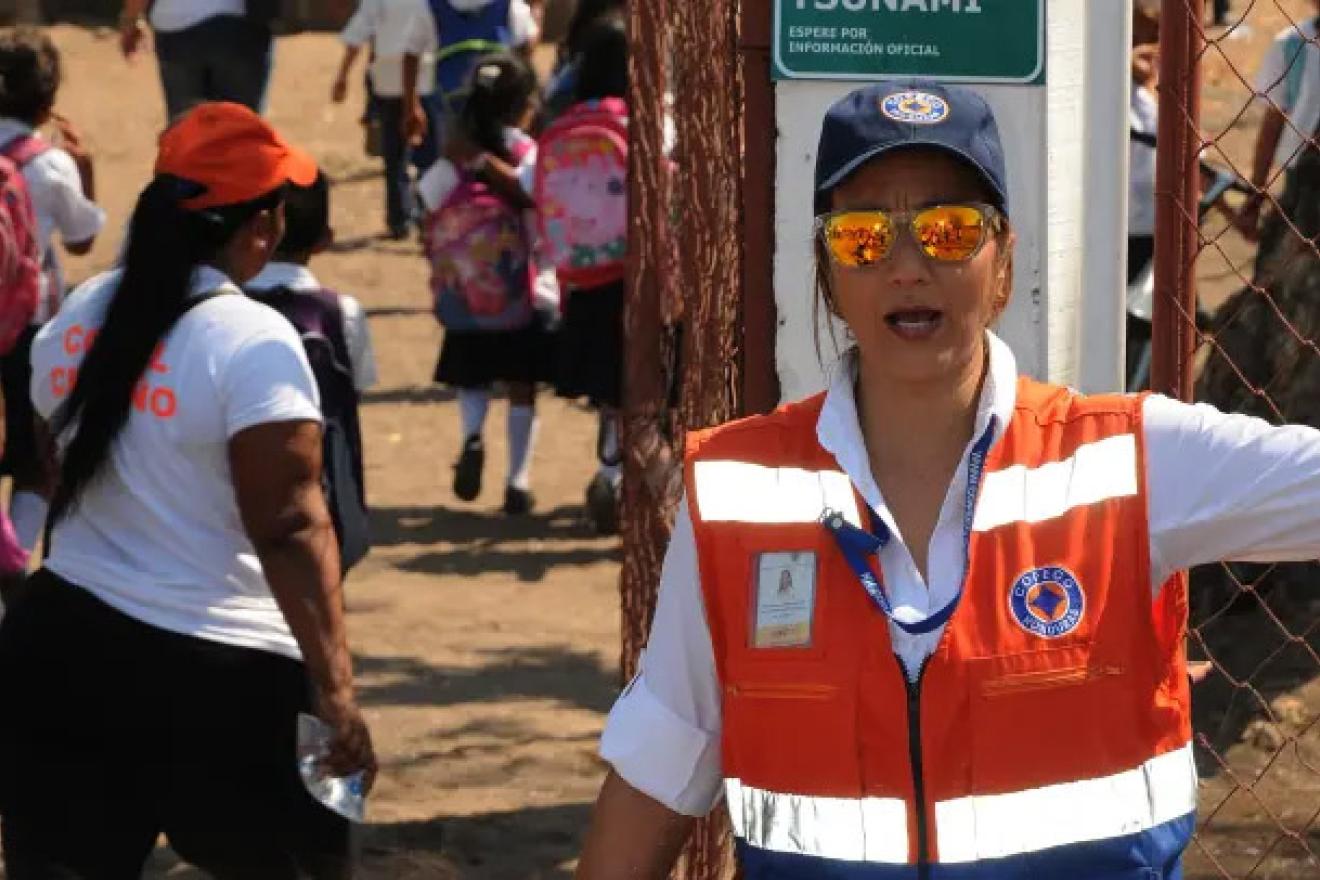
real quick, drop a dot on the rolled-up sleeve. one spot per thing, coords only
(1226, 486)
(663, 734)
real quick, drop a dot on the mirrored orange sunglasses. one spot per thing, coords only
(944, 233)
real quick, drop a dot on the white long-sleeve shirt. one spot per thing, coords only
(1220, 487)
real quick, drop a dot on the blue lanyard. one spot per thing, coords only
(857, 544)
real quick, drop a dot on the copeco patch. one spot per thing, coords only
(915, 108)
(1047, 602)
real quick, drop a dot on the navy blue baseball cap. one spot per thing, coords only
(901, 114)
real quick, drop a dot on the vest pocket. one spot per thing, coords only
(1051, 735)
(1045, 679)
(1049, 717)
(791, 736)
(782, 691)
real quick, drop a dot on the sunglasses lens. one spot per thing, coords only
(952, 233)
(862, 238)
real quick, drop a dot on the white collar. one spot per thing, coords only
(11, 128)
(839, 429)
(289, 276)
(206, 279)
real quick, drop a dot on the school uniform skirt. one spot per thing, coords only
(479, 359)
(591, 346)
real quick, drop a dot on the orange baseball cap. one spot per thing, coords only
(232, 152)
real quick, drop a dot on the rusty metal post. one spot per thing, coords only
(1173, 328)
(760, 390)
(649, 459)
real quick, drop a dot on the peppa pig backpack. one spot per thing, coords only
(581, 193)
(480, 255)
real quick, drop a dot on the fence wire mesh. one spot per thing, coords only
(1237, 324)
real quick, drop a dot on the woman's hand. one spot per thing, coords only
(351, 749)
(132, 36)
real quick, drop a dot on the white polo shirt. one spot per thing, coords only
(158, 535)
(1220, 486)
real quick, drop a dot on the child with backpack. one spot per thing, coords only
(582, 207)
(334, 331)
(498, 309)
(61, 183)
(465, 30)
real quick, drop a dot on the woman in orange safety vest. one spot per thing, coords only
(975, 666)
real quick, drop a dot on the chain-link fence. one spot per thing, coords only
(1236, 324)
(683, 312)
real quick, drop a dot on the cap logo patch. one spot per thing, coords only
(915, 108)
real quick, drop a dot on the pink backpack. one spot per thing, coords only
(581, 192)
(481, 260)
(20, 256)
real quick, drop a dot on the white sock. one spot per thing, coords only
(472, 406)
(522, 435)
(28, 511)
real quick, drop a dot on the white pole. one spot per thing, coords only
(1104, 273)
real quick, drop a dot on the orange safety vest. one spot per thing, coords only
(1048, 735)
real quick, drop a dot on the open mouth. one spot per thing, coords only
(915, 324)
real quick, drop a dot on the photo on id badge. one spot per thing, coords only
(784, 594)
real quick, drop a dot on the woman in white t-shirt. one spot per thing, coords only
(190, 608)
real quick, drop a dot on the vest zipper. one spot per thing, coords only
(918, 773)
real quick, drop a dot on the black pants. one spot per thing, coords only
(20, 460)
(398, 156)
(224, 58)
(114, 732)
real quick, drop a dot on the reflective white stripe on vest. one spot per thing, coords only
(995, 826)
(852, 830)
(736, 491)
(1096, 472)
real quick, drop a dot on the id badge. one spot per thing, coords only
(784, 599)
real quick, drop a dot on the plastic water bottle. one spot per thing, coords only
(343, 794)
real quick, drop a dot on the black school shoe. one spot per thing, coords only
(467, 471)
(603, 505)
(517, 502)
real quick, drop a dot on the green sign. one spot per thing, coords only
(964, 40)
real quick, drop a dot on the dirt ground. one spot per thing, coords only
(486, 647)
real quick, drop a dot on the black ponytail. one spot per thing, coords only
(499, 94)
(165, 246)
